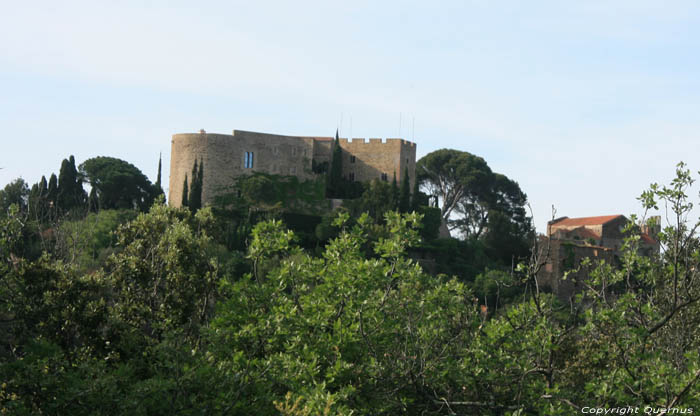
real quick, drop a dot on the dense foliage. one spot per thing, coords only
(174, 312)
(118, 184)
(477, 203)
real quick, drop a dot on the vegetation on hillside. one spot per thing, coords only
(225, 310)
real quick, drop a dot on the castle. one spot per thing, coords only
(230, 156)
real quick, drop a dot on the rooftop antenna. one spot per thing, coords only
(400, 124)
(413, 130)
(350, 127)
(341, 121)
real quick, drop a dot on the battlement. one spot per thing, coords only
(375, 140)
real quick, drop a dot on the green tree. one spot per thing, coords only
(52, 194)
(185, 191)
(335, 173)
(70, 188)
(195, 194)
(450, 175)
(376, 201)
(118, 183)
(395, 193)
(158, 184)
(341, 332)
(405, 195)
(15, 192)
(37, 202)
(163, 278)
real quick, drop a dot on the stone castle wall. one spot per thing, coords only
(224, 158)
(376, 157)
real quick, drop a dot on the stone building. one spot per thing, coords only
(230, 156)
(573, 239)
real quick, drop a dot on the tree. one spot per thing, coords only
(344, 333)
(479, 203)
(158, 184)
(335, 173)
(405, 195)
(376, 201)
(163, 277)
(52, 194)
(70, 188)
(450, 175)
(418, 198)
(15, 192)
(185, 191)
(195, 194)
(118, 183)
(38, 206)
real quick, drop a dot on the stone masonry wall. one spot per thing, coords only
(377, 157)
(224, 159)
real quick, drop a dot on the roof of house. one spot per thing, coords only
(578, 222)
(585, 233)
(647, 239)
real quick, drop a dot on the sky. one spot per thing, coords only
(584, 104)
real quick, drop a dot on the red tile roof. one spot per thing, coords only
(647, 239)
(578, 222)
(586, 233)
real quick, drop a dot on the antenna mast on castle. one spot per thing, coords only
(400, 124)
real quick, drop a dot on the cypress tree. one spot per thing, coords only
(195, 195)
(93, 200)
(52, 190)
(51, 197)
(405, 195)
(158, 184)
(335, 173)
(33, 201)
(41, 202)
(200, 181)
(395, 193)
(70, 189)
(185, 201)
(415, 197)
(43, 187)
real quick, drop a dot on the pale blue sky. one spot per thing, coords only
(583, 103)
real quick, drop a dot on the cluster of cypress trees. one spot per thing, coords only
(63, 195)
(60, 195)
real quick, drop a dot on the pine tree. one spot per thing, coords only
(185, 201)
(405, 195)
(335, 173)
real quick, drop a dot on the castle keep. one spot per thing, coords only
(229, 156)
